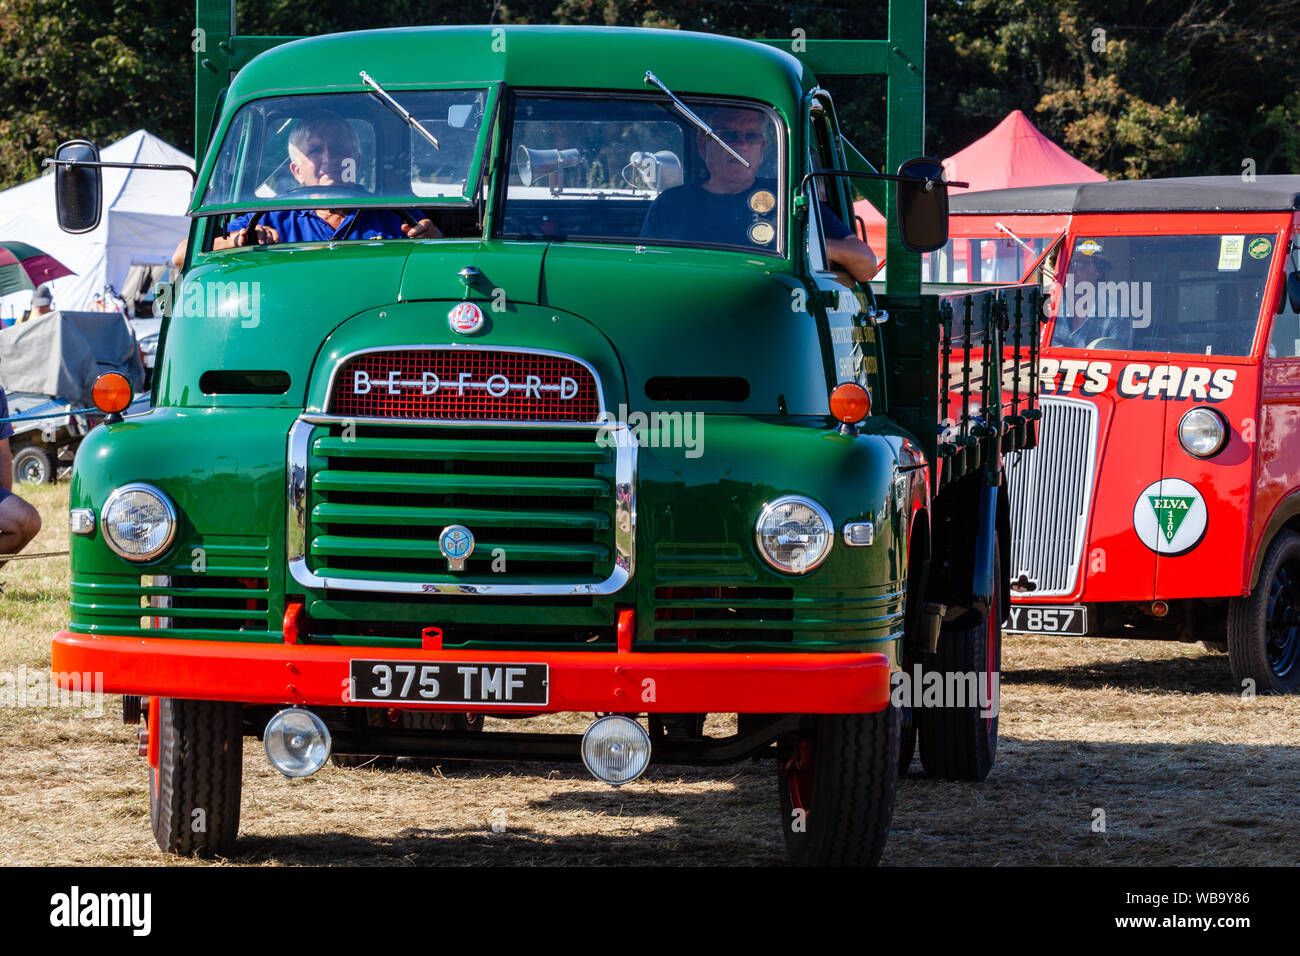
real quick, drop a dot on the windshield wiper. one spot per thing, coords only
(396, 107)
(702, 126)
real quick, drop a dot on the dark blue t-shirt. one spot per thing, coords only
(691, 213)
(303, 225)
(6, 428)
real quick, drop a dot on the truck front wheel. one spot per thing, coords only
(194, 793)
(1264, 626)
(837, 788)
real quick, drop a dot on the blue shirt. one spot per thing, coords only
(303, 225)
(692, 213)
(6, 428)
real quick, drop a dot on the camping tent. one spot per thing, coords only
(144, 218)
(1014, 153)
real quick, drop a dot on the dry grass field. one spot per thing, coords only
(1151, 734)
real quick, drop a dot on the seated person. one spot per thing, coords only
(1088, 318)
(731, 205)
(323, 151)
(19, 521)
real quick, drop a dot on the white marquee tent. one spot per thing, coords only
(144, 218)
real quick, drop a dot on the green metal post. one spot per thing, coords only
(904, 130)
(214, 25)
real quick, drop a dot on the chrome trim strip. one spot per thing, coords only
(625, 465)
(462, 346)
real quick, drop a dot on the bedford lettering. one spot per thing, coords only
(75, 909)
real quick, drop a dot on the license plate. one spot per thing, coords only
(450, 682)
(1041, 619)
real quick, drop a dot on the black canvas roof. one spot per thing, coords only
(1187, 194)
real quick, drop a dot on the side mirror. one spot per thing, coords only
(1293, 290)
(922, 209)
(78, 190)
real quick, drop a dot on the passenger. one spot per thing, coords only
(19, 521)
(323, 151)
(731, 205)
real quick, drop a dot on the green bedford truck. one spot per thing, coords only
(529, 429)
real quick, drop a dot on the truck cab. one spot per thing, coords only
(1161, 502)
(521, 434)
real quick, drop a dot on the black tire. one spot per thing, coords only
(837, 789)
(961, 743)
(33, 463)
(194, 793)
(1264, 626)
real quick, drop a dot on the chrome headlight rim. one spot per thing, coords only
(1217, 418)
(821, 513)
(166, 502)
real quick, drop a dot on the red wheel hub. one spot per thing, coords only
(798, 773)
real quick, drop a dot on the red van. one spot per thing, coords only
(1163, 499)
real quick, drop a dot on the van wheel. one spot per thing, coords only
(837, 787)
(1264, 626)
(33, 463)
(194, 792)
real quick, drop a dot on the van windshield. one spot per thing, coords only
(283, 151)
(633, 169)
(1200, 294)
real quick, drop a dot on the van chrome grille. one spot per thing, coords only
(1051, 490)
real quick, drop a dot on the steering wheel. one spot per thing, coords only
(1108, 343)
(336, 191)
(251, 229)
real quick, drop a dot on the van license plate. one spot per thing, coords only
(450, 682)
(1035, 619)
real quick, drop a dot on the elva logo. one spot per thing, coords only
(1170, 517)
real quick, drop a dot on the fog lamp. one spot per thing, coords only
(616, 750)
(297, 742)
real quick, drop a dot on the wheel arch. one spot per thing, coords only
(1286, 516)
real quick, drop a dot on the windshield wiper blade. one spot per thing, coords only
(396, 107)
(702, 126)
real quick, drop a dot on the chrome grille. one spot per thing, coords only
(550, 508)
(1051, 489)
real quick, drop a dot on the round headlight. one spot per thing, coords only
(1202, 432)
(139, 522)
(794, 534)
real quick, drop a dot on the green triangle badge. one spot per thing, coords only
(1170, 511)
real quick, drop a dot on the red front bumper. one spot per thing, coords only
(627, 681)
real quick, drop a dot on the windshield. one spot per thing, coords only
(1197, 294)
(636, 170)
(287, 150)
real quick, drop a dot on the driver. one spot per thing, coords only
(731, 205)
(1082, 322)
(323, 151)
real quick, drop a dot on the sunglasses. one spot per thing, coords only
(733, 137)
